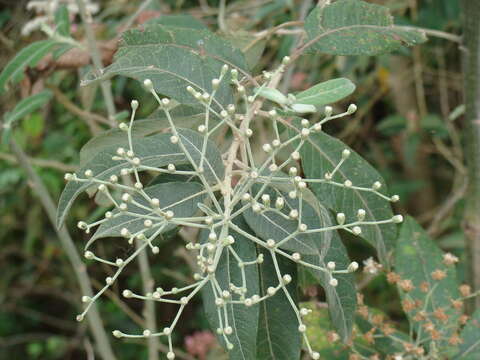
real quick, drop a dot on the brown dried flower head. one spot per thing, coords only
(449, 259)
(393, 277)
(465, 290)
(439, 274)
(406, 285)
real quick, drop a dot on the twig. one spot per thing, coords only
(306, 5)
(164, 349)
(221, 16)
(90, 118)
(40, 162)
(277, 29)
(121, 304)
(149, 310)
(445, 209)
(132, 18)
(434, 33)
(96, 59)
(93, 316)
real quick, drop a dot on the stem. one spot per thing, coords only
(97, 59)
(472, 137)
(306, 5)
(149, 311)
(46, 163)
(221, 16)
(66, 241)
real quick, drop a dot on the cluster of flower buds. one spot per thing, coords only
(214, 218)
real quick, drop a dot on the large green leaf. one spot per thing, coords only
(183, 116)
(62, 21)
(341, 299)
(278, 335)
(174, 58)
(29, 56)
(251, 46)
(318, 249)
(242, 319)
(214, 170)
(326, 92)
(416, 258)
(179, 197)
(155, 150)
(353, 27)
(320, 154)
(22, 109)
(470, 348)
(269, 224)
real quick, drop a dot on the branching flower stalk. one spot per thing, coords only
(243, 187)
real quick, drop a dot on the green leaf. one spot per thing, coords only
(342, 299)
(416, 258)
(318, 249)
(273, 95)
(251, 46)
(62, 21)
(157, 122)
(22, 109)
(470, 348)
(29, 56)
(179, 197)
(326, 92)
(320, 154)
(174, 58)
(270, 224)
(278, 335)
(303, 108)
(243, 320)
(353, 27)
(214, 171)
(155, 150)
(33, 125)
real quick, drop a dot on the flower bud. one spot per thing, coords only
(351, 108)
(148, 84)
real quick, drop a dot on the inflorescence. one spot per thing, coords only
(226, 199)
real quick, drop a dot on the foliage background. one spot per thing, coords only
(408, 125)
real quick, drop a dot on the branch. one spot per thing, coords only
(96, 59)
(66, 241)
(57, 165)
(149, 310)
